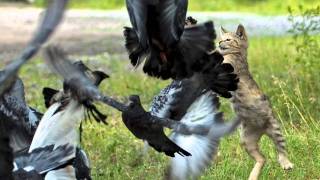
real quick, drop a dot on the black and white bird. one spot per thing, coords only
(195, 101)
(159, 36)
(140, 122)
(61, 122)
(8, 77)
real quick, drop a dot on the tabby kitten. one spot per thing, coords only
(250, 104)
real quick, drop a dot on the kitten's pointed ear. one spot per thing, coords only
(241, 32)
(223, 30)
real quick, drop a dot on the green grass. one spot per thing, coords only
(293, 90)
(256, 6)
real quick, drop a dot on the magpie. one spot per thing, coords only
(84, 89)
(160, 36)
(194, 101)
(62, 120)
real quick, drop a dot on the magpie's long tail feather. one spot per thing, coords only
(219, 76)
(204, 111)
(45, 159)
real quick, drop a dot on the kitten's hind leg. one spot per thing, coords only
(274, 132)
(250, 139)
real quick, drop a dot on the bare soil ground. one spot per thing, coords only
(80, 33)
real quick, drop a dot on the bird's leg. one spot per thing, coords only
(113, 103)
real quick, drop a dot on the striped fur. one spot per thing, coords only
(250, 104)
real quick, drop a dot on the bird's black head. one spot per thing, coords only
(96, 76)
(134, 108)
(134, 100)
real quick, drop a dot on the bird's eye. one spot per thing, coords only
(131, 104)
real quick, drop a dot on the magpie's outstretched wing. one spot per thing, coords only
(138, 10)
(172, 20)
(45, 159)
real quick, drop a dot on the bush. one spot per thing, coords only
(305, 24)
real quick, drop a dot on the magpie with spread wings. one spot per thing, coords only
(195, 101)
(159, 36)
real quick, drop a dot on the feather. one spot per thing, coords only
(66, 173)
(48, 94)
(63, 126)
(159, 37)
(81, 165)
(45, 159)
(172, 20)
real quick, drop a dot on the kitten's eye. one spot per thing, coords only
(228, 39)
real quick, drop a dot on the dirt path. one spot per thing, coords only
(79, 33)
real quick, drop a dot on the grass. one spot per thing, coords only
(269, 7)
(293, 90)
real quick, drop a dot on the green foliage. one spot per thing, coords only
(116, 154)
(256, 6)
(306, 44)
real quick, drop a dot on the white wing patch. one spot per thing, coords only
(202, 148)
(67, 173)
(60, 128)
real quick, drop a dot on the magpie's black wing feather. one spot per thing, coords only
(172, 20)
(45, 159)
(219, 76)
(81, 165)
(48, 93)
(138, 10)
(195, 42)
